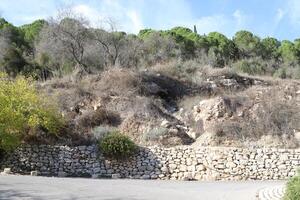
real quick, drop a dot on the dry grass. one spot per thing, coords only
(119, 82)
(152, 95)
(92, 118)
(267, 114)
(191, 71)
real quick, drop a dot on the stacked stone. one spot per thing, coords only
(176, 163)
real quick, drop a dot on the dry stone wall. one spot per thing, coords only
(177, 163)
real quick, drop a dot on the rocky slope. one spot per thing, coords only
(154, 108)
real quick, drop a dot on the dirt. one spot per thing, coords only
(153, 108)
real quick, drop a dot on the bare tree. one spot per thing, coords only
(130, 54)
(111, 41)
(50, 52)
(72, 32)
(157, 48)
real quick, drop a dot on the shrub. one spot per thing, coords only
(99, 132)
(274, 116)
(116, 145)
(24, 112)
(249, 66)
(293, 189)
(280, 73)
(97, 117)
(288, 72)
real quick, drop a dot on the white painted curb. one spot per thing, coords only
(271, 193)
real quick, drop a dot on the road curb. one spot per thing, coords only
(271, 193)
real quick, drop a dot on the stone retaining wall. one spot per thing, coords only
(178, 163)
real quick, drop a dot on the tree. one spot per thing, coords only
(31, 31)
(202, 43)
(13, 35)
(131, 54)
(288, 52)
(186, 39)
(51, 54)
(73, 34)
(247, 43)
(145, 33)
(158, 48)
(12, 48)
(24, 111)
(13, 62)
(111, 42)
(222, 45)
(4, 45)
(297, 46)
(195, 29)
(270, 48)
(3, 22)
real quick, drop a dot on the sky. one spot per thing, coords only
(274, 18)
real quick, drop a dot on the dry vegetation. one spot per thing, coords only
(156, 106)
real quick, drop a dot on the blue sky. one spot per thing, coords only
(277, 18)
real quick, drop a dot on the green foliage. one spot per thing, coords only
(116, 145)
(202, 43)
(13, 61)
(288, 71)
(280, 73)
(249, 66)
(293, 189)
(216, 58)
(222, 45)
(297, 46)
(23, 112)
(288, 52)
(31, 49)
(31, 31)
(3, 22)
(247, 43)
(186, 33)
(270, 48)
(14, 35)
(186, 39)
(145, 33)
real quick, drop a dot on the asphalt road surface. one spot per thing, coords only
(47, 188)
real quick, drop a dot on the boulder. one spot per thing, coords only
(115, 176)
(34, 173)
(7, 171)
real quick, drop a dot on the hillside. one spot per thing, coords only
(214, 107)
(159, 87)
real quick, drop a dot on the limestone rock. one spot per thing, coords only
(34, 173)
(115, 176)
(7, 171)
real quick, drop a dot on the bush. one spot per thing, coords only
(288, 72)
(293, 189)
(23, 112)
(116, 145)
(101, 116)
(280, 73)
(249, 66)
(99, 132)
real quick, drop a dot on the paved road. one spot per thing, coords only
(44, 188)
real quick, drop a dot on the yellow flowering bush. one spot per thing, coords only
(24, 110)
